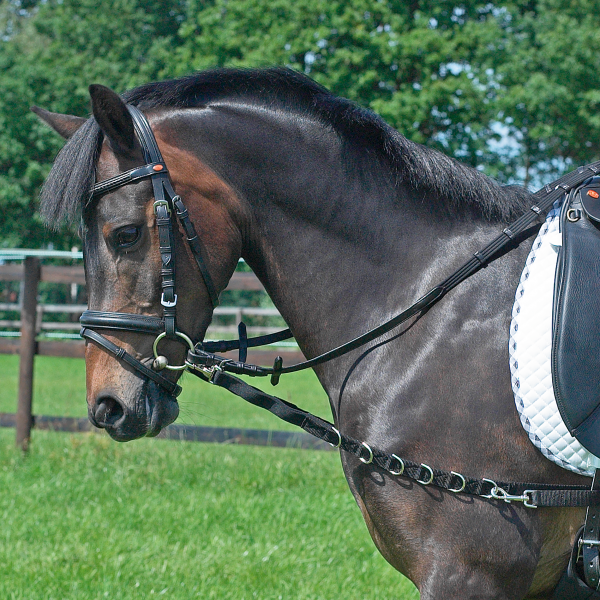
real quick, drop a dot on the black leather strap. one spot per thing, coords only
(195, 245)
(122, 355)
(243, 341)
(590, 540)
(532, 495)
(97, 319)
(110, 185)
(263, 340)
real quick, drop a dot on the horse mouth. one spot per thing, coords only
(125, 422)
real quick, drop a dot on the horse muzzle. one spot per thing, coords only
(128, 419)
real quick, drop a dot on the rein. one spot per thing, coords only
(203, 362)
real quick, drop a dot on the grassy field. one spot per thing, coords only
(59, 389)
(85, 517)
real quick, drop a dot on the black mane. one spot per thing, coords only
(458, 186)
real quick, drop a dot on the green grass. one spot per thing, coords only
(59, 389)
(84, 517)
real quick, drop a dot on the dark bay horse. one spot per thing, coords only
(346, 223)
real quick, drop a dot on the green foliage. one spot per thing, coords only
(546, 62)
(49, 60)
(407, 61)
(510, 87)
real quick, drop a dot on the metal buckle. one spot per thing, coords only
(164, 203)
(500, 494)
(166, 303)
(212, 372)
(528, 502)
(208, 372)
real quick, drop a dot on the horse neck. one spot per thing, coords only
(339, 248)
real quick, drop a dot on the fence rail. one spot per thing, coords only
(76, 274)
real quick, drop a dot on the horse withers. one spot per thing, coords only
(345, 222)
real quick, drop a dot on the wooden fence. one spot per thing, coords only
(30, 272)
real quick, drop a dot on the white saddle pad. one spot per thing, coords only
(530, 345)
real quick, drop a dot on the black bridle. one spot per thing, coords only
(202, 361)
(166, 202)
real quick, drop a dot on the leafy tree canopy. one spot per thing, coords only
(509, 87)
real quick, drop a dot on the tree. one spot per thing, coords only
(546, 65)
(511, 87)
(409, 61)
(58, 49)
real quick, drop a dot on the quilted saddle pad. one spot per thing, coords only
(530, 345)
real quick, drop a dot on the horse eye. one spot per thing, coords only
(127, 236)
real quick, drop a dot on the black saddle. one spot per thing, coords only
(576, 316)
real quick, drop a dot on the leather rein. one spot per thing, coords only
(203, 361)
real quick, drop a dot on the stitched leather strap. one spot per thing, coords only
(122, 355)
(121, 321)
(127, 177)
(531, 495)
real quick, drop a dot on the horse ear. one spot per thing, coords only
(114, 119)
(65, 125)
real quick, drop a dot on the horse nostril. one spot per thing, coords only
(108, 411)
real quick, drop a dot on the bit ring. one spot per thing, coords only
(184, 337)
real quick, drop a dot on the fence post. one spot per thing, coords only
(27, 350)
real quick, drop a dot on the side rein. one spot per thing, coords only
(211, 367)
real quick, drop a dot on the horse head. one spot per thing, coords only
(136, 273)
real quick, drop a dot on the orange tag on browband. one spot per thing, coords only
(593, 194)
(160, 168)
